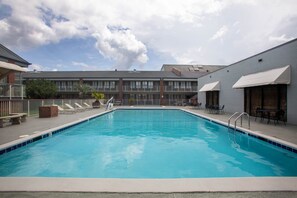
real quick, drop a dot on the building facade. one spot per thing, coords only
(11, 82)
(127, 87)
(266, 81)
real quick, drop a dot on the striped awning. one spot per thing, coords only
(276, 76)
(215, 86)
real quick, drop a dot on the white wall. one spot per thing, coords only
(233, 99)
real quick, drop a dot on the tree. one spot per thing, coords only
(83, 90)
(40, 89)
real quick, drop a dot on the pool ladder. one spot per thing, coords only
(240, 116)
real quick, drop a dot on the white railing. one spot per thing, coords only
(180, 89)
(142, 89)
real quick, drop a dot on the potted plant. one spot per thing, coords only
(131, 101)
(98, 96)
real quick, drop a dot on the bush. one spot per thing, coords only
(40, 89)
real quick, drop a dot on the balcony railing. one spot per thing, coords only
(12, 91)
(179, 89)
(74, 89)
(151, 89)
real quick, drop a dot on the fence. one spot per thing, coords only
(31, 107)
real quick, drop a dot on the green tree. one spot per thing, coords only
(83, 89)
(40, 89)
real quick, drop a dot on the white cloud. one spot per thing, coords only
(122, 46)
(124, 30)
(280, 39)
(83, 66)
(36, 67)
(220, 33)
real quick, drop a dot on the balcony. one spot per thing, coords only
(179, 89)
(152, 89)
(74, 89)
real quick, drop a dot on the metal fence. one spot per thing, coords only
(31, 107)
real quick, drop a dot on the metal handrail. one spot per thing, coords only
(234, 114)
(240, 116)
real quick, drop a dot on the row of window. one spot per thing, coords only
(131, 84)
(181, 85)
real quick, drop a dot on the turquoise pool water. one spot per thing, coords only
(148, 144)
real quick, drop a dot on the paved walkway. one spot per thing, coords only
(35, 124)
(280, 131)
(149, 195)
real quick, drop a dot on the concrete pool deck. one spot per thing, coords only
(35, 125)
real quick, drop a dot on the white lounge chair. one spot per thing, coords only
(65, 111)
(79, 107)
(87, 106)
(71, 107)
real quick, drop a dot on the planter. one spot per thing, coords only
(96, 104)
(48, 111)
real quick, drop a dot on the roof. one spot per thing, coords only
(5, 68)
(110, 74)
(192, 68)
(8, 54)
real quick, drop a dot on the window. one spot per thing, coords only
(106, 84)
(182, 85)
(150, 84)
(138, 84)
(132, 85)
(176, 85)
(188, 85)
(269, 97)
(112, 84)
(144, 84)
(100, 84)
(212, 98)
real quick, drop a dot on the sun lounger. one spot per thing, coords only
(65, 111)
(87, 105)
(71, 107)
(79, 107)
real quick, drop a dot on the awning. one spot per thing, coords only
(215, 86)
(270, 77)
(5, 68)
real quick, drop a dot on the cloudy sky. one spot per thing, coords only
(142, 34)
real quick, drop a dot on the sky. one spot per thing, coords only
(89, 35)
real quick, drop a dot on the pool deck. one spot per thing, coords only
(34, 125)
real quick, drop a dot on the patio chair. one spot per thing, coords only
(221, 109)
(279, 116)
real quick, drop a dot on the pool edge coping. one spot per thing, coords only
(248, 184)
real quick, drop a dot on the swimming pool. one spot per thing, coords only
(148, 144)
